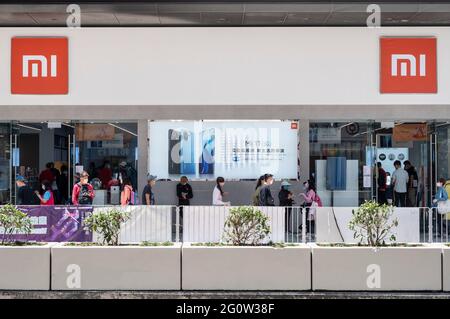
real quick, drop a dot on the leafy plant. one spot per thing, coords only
(246, 225)
(13, 221)
(107, 224)
(372, 224)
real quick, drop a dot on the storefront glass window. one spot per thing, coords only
(338, 162)
(108, 152)
(5, 153)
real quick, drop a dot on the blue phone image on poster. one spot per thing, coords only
(187, 153)
(206, 165)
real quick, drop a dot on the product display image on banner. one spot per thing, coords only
(234, 150)
(56, 224)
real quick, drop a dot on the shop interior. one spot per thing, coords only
(105, 150)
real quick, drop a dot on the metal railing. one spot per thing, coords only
(206, 223)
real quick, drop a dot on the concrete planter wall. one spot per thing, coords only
(25, 267)
(246, 268)
(446, 268)
(369, 269)
(116, 268)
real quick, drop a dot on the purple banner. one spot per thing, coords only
(56, 224)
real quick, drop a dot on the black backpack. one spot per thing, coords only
(84, 197)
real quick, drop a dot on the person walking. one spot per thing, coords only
(265, 195)
(83, 192)
(255, 196)
(400, 180)
(413, 182)
(148, 197)
(45, 195)
(381, 184)
(218, 193)
(127, 194)
(184, 192)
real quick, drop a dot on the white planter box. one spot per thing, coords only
(246, 268)
(116, 268)
(25, 267)
(369, 269)
(446, 268)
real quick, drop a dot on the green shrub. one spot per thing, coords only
(371, 223)
(13, 221)
(107, 224)
(246, 225)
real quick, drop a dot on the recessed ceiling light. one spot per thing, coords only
(404, 20)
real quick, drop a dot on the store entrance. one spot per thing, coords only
(108, 152)
(408, 143)
(41, 154)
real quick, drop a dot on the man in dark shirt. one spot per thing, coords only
(184, 192)
(148, 197)
(412, 184)
(381, 183)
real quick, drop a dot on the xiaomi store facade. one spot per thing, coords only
(322, 103)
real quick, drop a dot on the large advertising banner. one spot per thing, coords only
(56, 224)
(231, 149)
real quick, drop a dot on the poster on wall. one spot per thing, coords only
(387, 156)
(410, 132)
(94, 132)
(232, 149)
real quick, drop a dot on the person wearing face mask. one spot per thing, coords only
(83, 192)
(218, 193)
(265, 195)
(311, 200)
(184, 192)
(46, 194)
(148, 197)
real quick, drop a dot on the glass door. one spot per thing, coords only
(40, 154)
(407, 142)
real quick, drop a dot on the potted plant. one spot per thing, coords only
(376, 262)
(446, 267)
(109, 265)
(23, 265)
(242, 261)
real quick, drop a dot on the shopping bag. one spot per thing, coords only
(443, 207)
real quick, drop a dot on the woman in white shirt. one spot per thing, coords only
(218, 193)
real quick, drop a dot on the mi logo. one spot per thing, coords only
(408, 61)
(35, 61)
(408, 65)
(39, 65)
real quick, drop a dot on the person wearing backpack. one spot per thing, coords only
(127, 194)
(83, 192)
